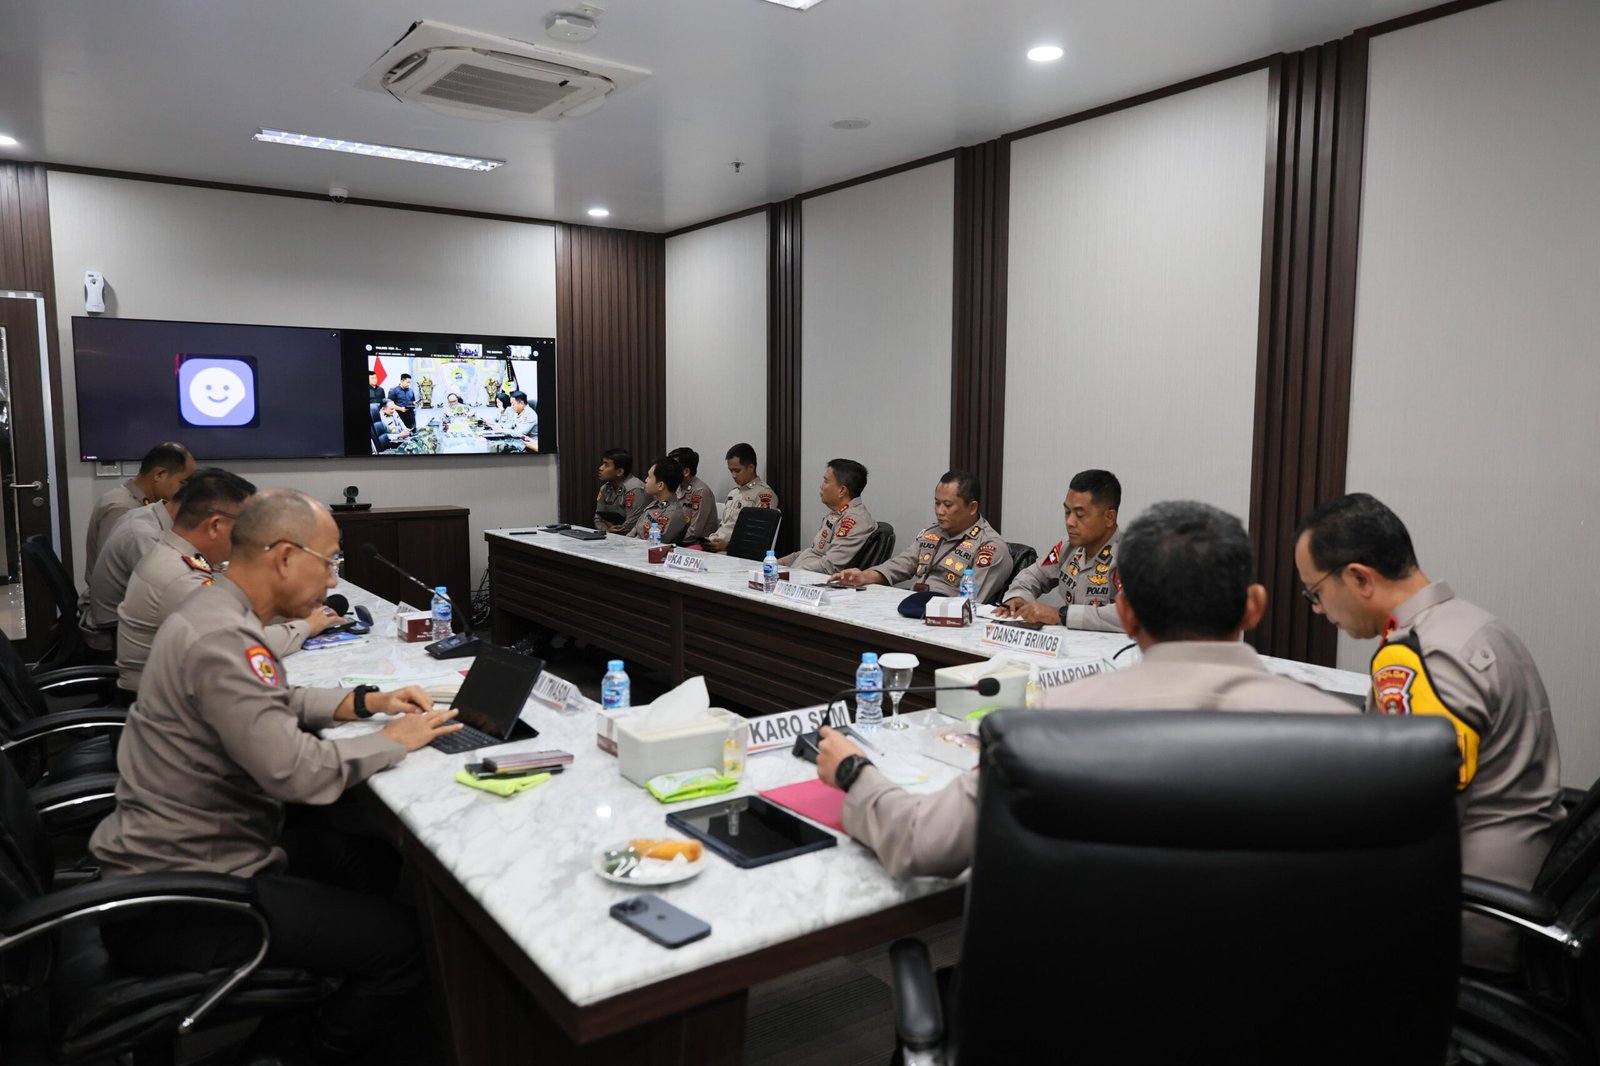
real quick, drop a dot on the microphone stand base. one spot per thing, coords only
(458, 646)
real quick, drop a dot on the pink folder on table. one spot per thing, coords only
(821, 803)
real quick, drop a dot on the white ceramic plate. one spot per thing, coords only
(650, 871)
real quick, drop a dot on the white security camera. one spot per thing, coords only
(338, 195)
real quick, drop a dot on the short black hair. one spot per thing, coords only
(687, 458)
(742, 452)
(1101, 485)
(1186, 570)
(520, 395)
(169, 456)
(668, 471)
(621, 458)
(1358, 528)
(968, 487)
(405, 377)
(851, 474)
(209, 488)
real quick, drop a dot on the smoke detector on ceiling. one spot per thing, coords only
(479, 75)
(573, 29)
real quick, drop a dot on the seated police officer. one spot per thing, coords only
(845, 528)
(960, 539)
(667, 512)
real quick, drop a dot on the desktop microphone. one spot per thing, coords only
(457, 645)
(806, 744)
(338, 604)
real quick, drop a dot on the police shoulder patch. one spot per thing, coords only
(986, 555)
(627, 498)
(197, 562)
(846, 526)
(766, 499)
(262, 664)
(1053, 557)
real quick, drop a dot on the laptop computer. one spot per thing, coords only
(490, 701)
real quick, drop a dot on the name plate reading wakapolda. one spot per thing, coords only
(801, 595)
(553, 691)
(1015, 638)
(1052, 676)
(686, 561)
(779, 730)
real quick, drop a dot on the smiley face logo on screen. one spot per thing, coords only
(217, 390)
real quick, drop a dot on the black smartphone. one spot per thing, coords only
(660, 921)
(483, 772)
(1019, 624)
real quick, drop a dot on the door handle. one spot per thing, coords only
(27, 485)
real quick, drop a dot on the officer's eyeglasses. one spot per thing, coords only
(1311, 594)
(335, 561)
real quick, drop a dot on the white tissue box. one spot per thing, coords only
(947, 611)
(641, 756)
(1013, 679)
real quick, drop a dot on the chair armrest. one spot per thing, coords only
(73, 794)
(56, 722)
(77, 681)
(1519, 908)
(918, 1015)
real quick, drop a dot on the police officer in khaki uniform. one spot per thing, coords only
(133, 536)
(1077, 582)
(622, 498)
(219, 741)
(181, 561)
(699, 502)
(748, 491)
(667, 511)
(1188, 598)
(848, 523)
(1442, 655)
(959, 539)
(162, 473)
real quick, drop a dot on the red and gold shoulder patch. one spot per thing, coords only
(986, 555)
(694, 501)
(766, 499)
(1391, 689)
(196, 562)
(627, 498)
(262, 664)
(845, 527)
(1054, 556)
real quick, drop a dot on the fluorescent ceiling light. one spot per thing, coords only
(798, 5)
(599, 212)
(7, 141)
(382, 151)
(1045, 53)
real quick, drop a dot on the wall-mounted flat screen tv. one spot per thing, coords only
(448, 394)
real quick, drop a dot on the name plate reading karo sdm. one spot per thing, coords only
(812, 596)
(686, 561)
(1015, 638)
(553, 691)
(779, 730)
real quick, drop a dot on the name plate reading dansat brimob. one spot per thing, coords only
(688, 561)
(1015, 638)
(779, 730)
(802, 595)
(551, 690)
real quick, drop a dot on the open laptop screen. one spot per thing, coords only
(495, 689)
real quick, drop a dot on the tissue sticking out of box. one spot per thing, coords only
(686, 705)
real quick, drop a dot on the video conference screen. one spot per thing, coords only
(226, 391)
(448, 394)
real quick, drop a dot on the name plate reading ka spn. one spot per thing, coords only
(688, 561)
(1015, 638)
(802, 595)
(551, 690)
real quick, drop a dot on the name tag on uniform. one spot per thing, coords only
(812, 596)
(1015, 638)
(689, 562)
(553, 691)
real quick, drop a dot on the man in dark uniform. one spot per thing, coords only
(405, 400)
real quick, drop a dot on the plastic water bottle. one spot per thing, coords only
(655, 534)
(869, 698)
(441, 613)
(769, 571)
(969, 587)
(616, 691)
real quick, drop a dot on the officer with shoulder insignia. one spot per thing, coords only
(667, 511)
(182, 561)
(847, 525)
(134, 535)
(960, 538)
(162, 473)
(621, 499)
(1442, 655)
(748, 491)
(219, 742)
(1077, 583)
(698, 502)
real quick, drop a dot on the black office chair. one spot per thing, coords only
(61, 998)
(1160, 887)
(48, 742)
(754, 532)
(66, 646)
(1022, 557)
(877, 549)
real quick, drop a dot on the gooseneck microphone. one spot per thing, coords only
(806, 744)
(456, 646)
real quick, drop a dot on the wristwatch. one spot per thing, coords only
(361, 700)
(849, 769)
(1063, 615)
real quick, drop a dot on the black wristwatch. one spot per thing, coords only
(849, 769)
(1063, 615)
(361, 700)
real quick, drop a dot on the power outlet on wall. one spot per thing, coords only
(108, 470)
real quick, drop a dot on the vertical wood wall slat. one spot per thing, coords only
(978, 326)
(611, 311)
(781, 461)
(1307, 322)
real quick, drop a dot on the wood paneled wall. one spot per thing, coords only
(782, 459)
(611, 313)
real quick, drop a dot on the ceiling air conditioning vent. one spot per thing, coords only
(461, 71)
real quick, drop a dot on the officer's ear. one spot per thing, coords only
(1130, 620)
(1362, 579)
(1255, 605)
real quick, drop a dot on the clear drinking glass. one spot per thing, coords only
(897, 667)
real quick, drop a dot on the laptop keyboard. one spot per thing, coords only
(464, 739)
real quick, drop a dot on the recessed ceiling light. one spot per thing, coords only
(7, 141)
(851, 124)
(381, 151)
(798, 5)
(599, 212)
(1045, 53)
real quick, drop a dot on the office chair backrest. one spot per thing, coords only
(1569, 877)
(66, 645)
(1212, 887)
(877, 549)
(754, 532)
(1022, 557)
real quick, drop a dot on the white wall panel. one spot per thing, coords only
(208, 255)
(876, 280)
(1135, 249)
(717, 344)
(1476, 377)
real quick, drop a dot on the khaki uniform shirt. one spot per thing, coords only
(1510, 796)
(103, 519)
(756, 494)
(936, 558)
(672, 518)
(838, 540)
(134, 535)
(164, 578)
(932, 834)
(1087, 588)
(627, 499)
(700, 506)
(217, 742)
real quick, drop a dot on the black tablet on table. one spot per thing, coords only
(749, 831)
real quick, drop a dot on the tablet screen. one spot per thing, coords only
(749, 831)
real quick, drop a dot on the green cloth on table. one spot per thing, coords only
(502, 786)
